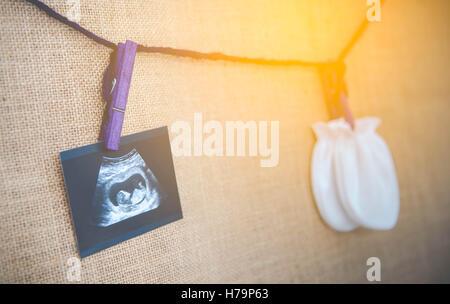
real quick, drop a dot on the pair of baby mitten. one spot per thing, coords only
(353, 176)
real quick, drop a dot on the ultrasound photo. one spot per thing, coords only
(125, 187)
(116, 195)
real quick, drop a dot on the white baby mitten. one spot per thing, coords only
(353, 176)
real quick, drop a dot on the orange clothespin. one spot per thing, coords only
(335, 91)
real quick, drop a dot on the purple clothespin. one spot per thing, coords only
(116, 85)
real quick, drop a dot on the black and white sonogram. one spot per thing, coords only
(116, 195)
(125, 187)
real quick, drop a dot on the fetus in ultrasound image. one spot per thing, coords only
(126, 187)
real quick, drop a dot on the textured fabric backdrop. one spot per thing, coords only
(242, 223)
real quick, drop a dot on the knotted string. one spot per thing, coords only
(195, 54)
(208, 56)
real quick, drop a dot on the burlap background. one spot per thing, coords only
(242, 223)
